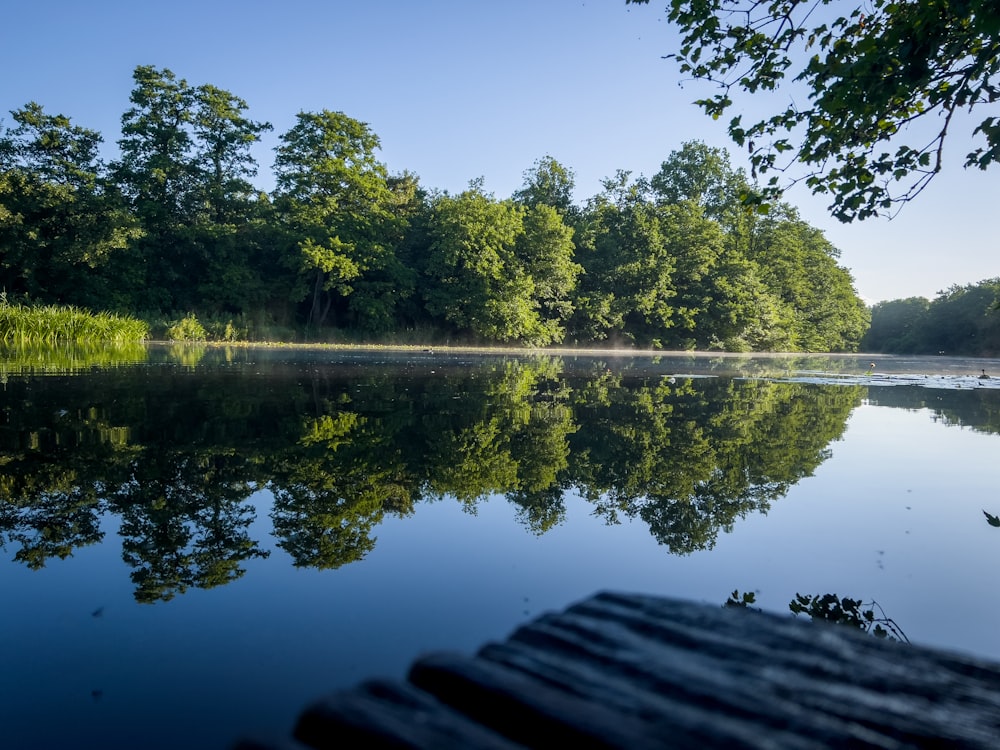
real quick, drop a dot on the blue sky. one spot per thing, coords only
(458, 89)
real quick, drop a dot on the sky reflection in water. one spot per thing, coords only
(887, 504)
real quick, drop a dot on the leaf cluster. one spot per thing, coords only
(847, 611)
(881, 85)
(831, 608)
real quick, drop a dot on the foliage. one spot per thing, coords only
(28, 324)
(881, 85)
(548, 183)
(499, 270)
(184, 168)
(991, 519)
(792, 256)
(186, 329)
(628, 269)
(961, 320)
(831, 608)
(63, 227)
(741, 601)
(342, 249)
(896, 326)
(335, 199)
(846, 611)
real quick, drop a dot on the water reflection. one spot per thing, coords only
(64, 357)
(977, 409)
(176, 453)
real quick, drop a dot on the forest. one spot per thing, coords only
(173, 230)
(961, 320)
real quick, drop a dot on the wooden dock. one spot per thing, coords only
(626, 671)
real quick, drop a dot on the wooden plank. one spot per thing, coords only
(380, 714)
(270, 743)
(628, 671)
(525, 709)
(826, 682)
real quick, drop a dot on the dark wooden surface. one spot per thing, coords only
(626, 671)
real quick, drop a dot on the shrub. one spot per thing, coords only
(187, 329)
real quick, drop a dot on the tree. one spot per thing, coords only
(896, 325)
(870, 74)
(546, 250)
(964, 320)
(476, 279)
(548, 183)
(61, 222)
(704, 175)
(820, 308)
(185, 160)
(721, 301)
(628, 280)
(223, 137)
(335, 200)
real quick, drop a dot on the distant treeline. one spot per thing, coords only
(344, 248)
(963, 320)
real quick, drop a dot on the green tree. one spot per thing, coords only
(230, 231)
(627, 287)
(721, 301)
(869, 72)
(548, 183)
(704, 175)
(964, 320)
(185, 160)
(546, 250)
(156, 174)
(412, 209)
(223, 137)
(334, 198)
(819, 305)
(476, 278)
(896, 326)
(62, 225)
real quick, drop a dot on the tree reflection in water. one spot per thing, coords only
(853, 613)
(177, 453)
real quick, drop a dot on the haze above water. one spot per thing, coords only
(196, 543)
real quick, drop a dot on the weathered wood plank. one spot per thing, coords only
(626, 671)
(380, 714)
(827, 683)
(525, 709)
(269, 744)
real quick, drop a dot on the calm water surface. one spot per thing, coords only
(196, 543)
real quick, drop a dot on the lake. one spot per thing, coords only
(196, 542)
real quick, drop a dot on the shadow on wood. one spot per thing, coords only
(626, 671)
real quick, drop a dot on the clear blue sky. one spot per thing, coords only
(458, 89)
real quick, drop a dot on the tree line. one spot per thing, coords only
(961, 320)
(341, 247)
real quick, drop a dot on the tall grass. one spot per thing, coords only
(26, 324)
